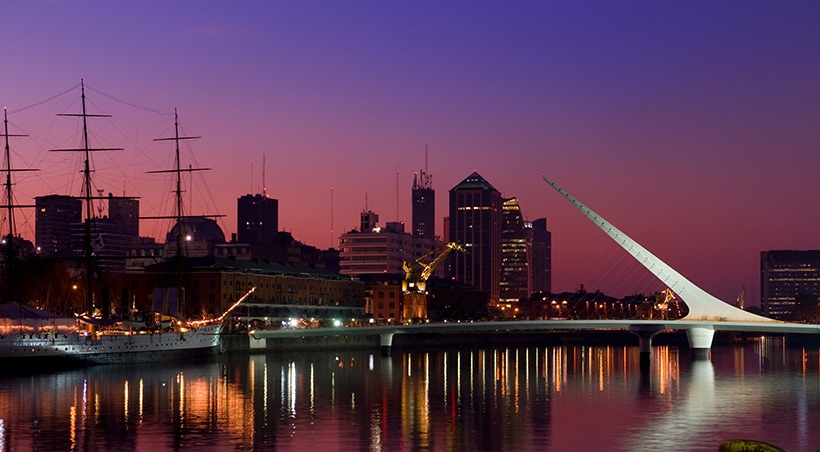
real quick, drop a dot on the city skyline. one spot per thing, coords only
(691, 127)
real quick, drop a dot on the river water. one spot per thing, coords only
(563, 398)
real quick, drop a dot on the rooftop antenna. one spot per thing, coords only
(425, 160)
(423, 179)
(331, 217)
(190, 188)
(428, 179)
(264, 186)
(397, 193)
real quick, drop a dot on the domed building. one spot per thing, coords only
(199, 238)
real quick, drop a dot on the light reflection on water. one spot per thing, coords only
(522, 398)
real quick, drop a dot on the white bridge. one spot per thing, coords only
(707, 313)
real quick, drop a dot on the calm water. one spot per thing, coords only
(526, 398)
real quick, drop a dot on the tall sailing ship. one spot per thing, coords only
(40, 337)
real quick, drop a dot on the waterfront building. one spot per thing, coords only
(516, 249)
(145, 251)
(53, 217)
(447, 300)
(211, 284)
(541, 257)
(475, 223)
(384, 297)
(786, 275)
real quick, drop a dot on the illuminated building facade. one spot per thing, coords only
(516, 245)
(786, 275)
(385, 299)
(475, 223)
(373, 249)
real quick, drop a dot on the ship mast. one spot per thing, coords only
(88, 249)
(179, 216)
(10, 251)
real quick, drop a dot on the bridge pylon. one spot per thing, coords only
(386, 340)
(700, 340)
(645, 333)
(702, 305)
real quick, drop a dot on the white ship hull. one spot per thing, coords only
(109, 347)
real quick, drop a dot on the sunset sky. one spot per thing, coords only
(692, 126)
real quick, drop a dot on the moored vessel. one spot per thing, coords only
(45, 339)
(38, 338)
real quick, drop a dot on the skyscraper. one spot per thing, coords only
(53, 217)
(516, 241)
(257, 222)
(541, 256)
(786, 275)
(124, 213)
(475, 223)
(424, 206)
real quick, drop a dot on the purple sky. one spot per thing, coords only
(694, 127)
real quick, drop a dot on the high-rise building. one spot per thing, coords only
(374, 249)
(786, 275)
(124, 213)
(516, 241)
(109, 245)
(53, 217)
(424, 206)
(475, 223)
(541, 258)
(257, 222)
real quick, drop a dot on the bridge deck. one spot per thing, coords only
(539, 325)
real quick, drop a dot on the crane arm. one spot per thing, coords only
(431, 267)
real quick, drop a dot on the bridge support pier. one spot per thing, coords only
(257, 343)
(700, 341)
(386, 342)
(645, 334)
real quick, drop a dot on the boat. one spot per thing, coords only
(42, 338)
